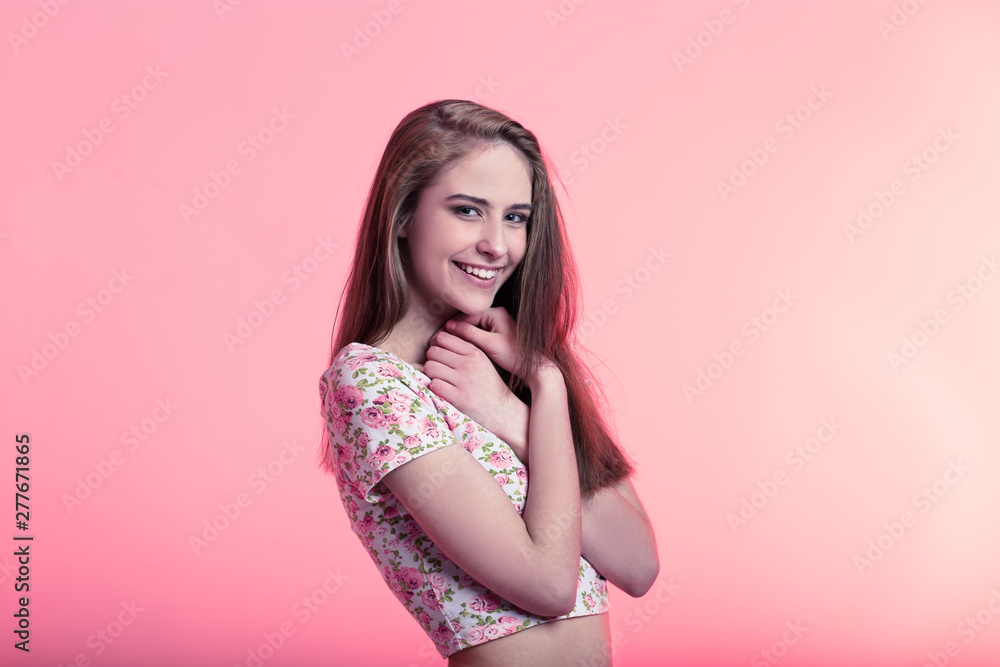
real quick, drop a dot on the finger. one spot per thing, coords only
(453, 343)
(470, 333)
(436, 332)
(443, 388)
(496, 319)
(474, 319)
(436, 370)
(489, 322)
(443, 358)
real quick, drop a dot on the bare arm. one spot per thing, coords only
(533, 559)
(616, 536)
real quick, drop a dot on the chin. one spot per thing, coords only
(474, 311)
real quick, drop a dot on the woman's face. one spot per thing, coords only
(469, 232)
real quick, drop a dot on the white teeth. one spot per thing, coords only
(479, 273)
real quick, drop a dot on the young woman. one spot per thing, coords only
(457, 329)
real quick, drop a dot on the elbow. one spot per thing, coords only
(558, 597)
(565, 601)
(559, 603)
(643, 578)
(645, 570)
(552, 591)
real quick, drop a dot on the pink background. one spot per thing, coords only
(642, 139)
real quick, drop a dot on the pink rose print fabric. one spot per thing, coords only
(380, 414)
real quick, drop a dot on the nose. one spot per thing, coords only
(493, 240)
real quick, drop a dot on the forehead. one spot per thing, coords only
(498, 173)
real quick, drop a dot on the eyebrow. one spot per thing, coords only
(484, 203)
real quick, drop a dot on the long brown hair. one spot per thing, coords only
(541, 295)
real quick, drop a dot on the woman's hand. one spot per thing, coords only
(494, 332)
(462, 374)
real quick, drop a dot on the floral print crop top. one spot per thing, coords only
(380, 414)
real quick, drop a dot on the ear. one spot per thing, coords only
(404, 225)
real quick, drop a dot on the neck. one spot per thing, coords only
(410, 337)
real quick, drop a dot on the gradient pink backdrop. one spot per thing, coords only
(642, 138)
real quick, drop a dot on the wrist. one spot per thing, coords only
(546, 375)
(515, 425)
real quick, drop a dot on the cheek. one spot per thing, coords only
(519, 247)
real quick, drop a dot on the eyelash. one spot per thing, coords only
(459, 209)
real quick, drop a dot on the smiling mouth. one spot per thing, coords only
(482, 274)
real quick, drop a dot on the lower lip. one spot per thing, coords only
(478, 282)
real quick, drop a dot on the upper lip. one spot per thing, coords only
(480, 266)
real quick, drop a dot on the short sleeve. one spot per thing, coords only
(379, 417)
